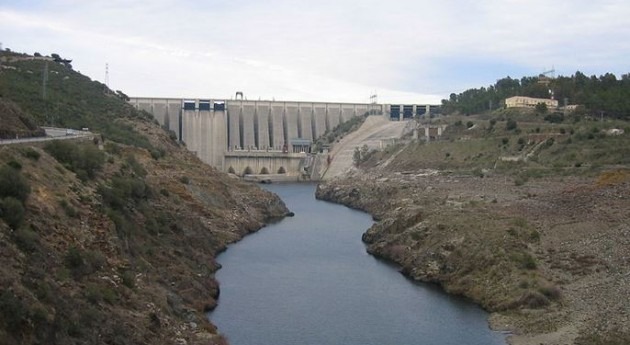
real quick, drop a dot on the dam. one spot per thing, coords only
(245, 137)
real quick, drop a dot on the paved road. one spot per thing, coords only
(52, 133)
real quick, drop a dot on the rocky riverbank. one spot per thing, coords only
(548, 258)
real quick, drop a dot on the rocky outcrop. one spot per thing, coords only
(507, 247)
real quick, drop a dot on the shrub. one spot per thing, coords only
(128, 279)
(511, 125)
(12, 211)
(26, 239)
(135, 166)
(184, 180)
(70, 211)
(84, 160)
(469, 124)
(15, 164)
(13, 184)
(31, 153)
(13, 313)
(74, 258)
(505, 141)
(554, 118)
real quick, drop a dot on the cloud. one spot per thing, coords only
(408, 51)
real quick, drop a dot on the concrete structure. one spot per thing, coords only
(529, 102)
(258, 137)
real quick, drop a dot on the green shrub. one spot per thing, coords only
(128, 279)
(70, 211)
(74, 258)
(31, 153)
(184, 180)
(12, 211)
(469, 124)
(135, 166)
(83, 159)
(15, 164)
(511, 125)
(14, 314)
(123, 190)
(13, 184)
(26, 239)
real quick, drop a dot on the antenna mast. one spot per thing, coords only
(107, 74)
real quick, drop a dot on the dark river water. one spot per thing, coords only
(309, 281)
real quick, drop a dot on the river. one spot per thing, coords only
(308, 280)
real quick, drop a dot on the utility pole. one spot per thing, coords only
(44, 80)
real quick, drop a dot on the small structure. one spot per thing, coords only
(529, 102)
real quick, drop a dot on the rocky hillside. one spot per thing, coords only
(113, 241)
(540, 240)
(15, 123)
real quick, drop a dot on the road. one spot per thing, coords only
(52, 133)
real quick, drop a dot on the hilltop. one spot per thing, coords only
(523, 212)
(110, 240)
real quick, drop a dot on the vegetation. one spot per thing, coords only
(96, 256)
(83, 159)
(343, 128)
(71, 100)
(605, 94)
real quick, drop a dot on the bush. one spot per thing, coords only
(30, 153)
(12, 211)
(70, 211)
(469, 124)
(13, 184)
(82, 263)
(554, 118)
(15, 164)
(128, 279)
(13, 313)
(84, 160)
(123, 190)
(26, 239)
(511, 125)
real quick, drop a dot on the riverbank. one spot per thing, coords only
(527, 253)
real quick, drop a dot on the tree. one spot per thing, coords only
(541, 108)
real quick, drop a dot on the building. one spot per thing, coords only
(529, 102)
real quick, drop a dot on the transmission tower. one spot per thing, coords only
(107, 75)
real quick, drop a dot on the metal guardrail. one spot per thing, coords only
(52, 133)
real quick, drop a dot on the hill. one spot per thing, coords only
(524, 213)
(111, 240)
(14, 123)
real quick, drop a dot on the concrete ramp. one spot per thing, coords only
(372, 133)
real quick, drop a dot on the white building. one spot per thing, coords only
(529, 102)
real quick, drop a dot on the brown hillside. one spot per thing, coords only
(16, 123)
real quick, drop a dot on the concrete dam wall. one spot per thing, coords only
(257, 137)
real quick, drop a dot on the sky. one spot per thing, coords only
(404, 51)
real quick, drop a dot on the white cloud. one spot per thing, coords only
(325, 50)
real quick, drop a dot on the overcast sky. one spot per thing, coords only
(407, 51)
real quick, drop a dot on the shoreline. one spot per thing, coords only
(540, 303)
